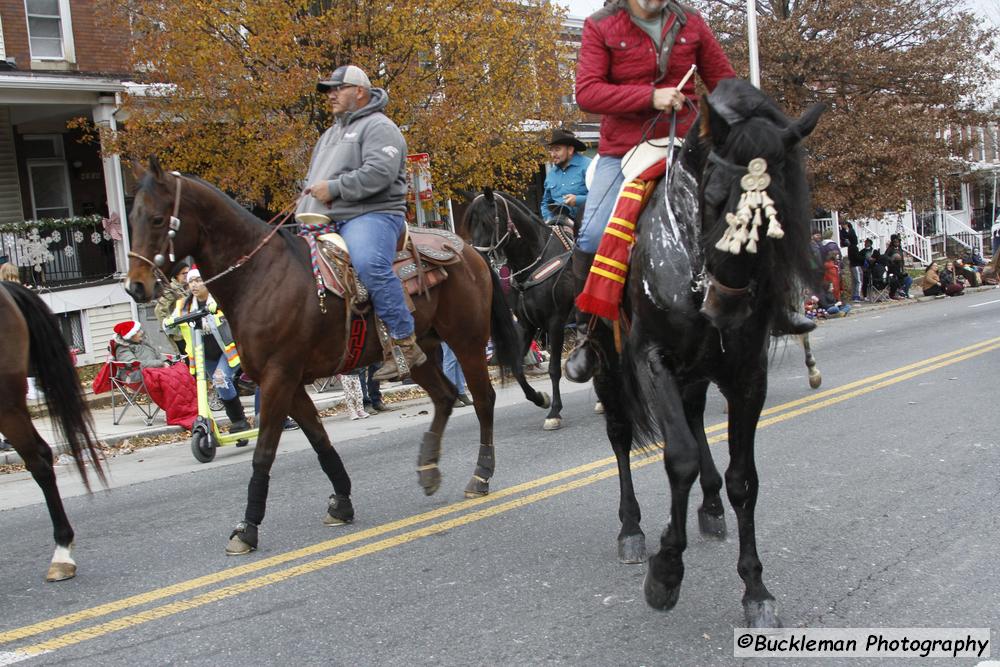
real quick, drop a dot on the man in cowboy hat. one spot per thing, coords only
(565, 184)
(357, 178)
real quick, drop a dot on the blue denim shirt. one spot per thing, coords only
(568, 181)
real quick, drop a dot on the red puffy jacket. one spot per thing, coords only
(617, 68)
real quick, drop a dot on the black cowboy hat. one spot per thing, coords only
(561, 137)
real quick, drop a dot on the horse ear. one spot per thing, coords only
(714, 127)
(154, 167)
(488, 194)
(803, 127)
(138, 169)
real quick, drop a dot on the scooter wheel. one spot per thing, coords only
(202, 445)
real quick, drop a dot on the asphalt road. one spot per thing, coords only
(878, 508)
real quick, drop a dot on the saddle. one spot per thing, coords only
(436, 249)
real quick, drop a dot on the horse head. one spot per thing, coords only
(157, 234)
(754, 203)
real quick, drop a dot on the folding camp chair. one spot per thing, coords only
(128, 384)
(877, 278)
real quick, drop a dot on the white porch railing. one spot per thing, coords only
(954, 225)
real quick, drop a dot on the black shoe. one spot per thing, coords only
(379, 406)
(5, 446)
(791, 323)
(290, 425)
(239, 426)
(581, 363)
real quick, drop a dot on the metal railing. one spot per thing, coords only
(84, 260)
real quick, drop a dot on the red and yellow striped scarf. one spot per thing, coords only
(602, 294)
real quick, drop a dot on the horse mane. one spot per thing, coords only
(148, 182)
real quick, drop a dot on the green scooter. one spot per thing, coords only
(206, 437)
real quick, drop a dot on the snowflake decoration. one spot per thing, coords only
(78, 236)
(107, 236)
(68, 251)
(55, 236)
(95, 238)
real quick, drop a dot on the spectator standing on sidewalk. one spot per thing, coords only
(371, 392)
(176, 290)
(849, 238)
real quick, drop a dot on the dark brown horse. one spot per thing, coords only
(285, 340)
(32, 337)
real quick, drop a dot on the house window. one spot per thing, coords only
(72, 329)
(50, 34)
(48, 176)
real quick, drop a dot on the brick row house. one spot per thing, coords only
(62, 205)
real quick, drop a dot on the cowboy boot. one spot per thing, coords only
(582, 361)
(405, 355)
(237, 417)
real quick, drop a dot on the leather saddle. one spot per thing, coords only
(436, 249)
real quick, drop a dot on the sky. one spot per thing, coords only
(988, 9)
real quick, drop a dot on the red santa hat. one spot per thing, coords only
(126, 330)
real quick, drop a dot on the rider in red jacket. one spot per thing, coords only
(633, 55)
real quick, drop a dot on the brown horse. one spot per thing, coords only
(32, 336)
(286, 338)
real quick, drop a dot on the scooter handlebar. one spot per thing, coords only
(195, 316)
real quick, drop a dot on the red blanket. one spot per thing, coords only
(173, 389)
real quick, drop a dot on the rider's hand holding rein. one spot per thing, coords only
(320, 190)
(667, 98)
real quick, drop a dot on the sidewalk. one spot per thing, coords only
(133, 424)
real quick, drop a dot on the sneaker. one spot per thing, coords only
(290, 425)
(360, 415)
(5, 446)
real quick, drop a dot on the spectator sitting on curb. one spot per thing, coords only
(951, 282)
(969, 273)
(931, 282)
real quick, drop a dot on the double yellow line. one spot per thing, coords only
(468, 511)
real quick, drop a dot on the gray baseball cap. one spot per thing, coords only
(345, 75)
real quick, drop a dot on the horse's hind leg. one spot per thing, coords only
(631, 539)
(15, 424)
(711, 514)
(443, 393)
(539, 398)
(557, 334)
(815, 377)
(742, 483)
(340, 509)
(484, 397)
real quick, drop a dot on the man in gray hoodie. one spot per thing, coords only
(357, 178)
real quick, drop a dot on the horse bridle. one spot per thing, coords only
(493, 250)
(175, 224)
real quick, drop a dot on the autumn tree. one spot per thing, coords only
(895, 74)
(233, 99)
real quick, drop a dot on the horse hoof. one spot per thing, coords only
(761, 614)
(599, 408)
(60, 571)
(552, 424)
(658, 596)
(242, 540)
(430, 480)
(815, 380)
(340, 511)
(546, 400)
(477, 488)
(711, 525)
(632, 549)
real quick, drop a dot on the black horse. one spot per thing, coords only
(706, 284)
(542, 288)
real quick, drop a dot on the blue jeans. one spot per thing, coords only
(227, 390)
(371, 239)
(370, 392)
(601, 199)
(452, 370)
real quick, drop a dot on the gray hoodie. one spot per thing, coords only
(363, 156)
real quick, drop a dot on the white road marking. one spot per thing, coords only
(984, 303)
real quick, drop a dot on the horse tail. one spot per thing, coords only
(53, 367)
(506, 339)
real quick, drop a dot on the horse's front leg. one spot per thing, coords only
(711, 514)
(746, 399)
(443, 394)
(276, 391)
(654, 381)
(340, 509)
(556, 335)
(815, 376)
(539, 398)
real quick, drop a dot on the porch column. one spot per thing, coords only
(114, 184)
